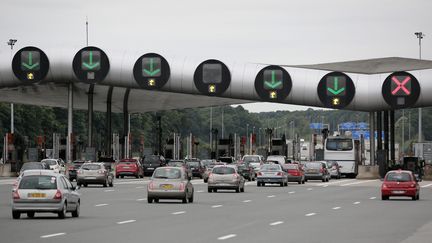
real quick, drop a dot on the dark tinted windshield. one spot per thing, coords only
(193, 163)
(206, 162)
(167, 173)
(77, 165)
(223, 170)
(91, 167)
(152, 159)
(339, 144)
(226, 160)
(50, 161)
(32, 166)
(38, 182)
(175, 164)
(401, 177)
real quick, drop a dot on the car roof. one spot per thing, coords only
(399, 171)
(128, 160)
(40, 172)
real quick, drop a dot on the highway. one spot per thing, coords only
(346, 210)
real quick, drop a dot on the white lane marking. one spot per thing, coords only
(291, 192)
(52, 235)
(110, 190)
(335, 182)
(309, 189)
(372, 198)
(179, 212)
(355, 203)
(276, 223)
(200, 191)
(226, 237)
(358, 182)
(141, 199)
(7, 181)
(325, 186)
(271, 196)
(140, 187)
(428, 185)
(101, 205)
(126, 222)
(310, 214)
(336, 208)
(216, 206)
(246, 201)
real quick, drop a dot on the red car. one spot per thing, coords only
(295, 173)
(129, 167)
(400, 183)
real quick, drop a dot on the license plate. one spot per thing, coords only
(398, 192)
(167, 186)
(91, 177)
(126, 167)
(37, 195)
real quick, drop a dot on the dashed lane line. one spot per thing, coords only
(52, 235)
(101, 205)
(127, 221)
(226, 237)
(358, 182)
(310, 214)
(276, 223)
(179, 212)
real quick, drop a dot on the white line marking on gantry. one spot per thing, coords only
(101, 205)
(179, 212)
(372, 198)
(310, 214)
(428, 185)
(276, 223)
(226, 237)
(358, 182)
(126, 221)
(52, 235)
(336, 208)
(216, 206)
(355, 203)
(271, 196)
(246, 201)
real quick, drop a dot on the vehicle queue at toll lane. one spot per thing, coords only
(42, 187)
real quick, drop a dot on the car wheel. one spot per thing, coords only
(205, 181)
(214, 190)
(184, 200)
(303, 182)
(76, 213)
(262, 184)
(111, 184)
(105, 184)
(16, 214)
(242, 189)
(122, 177)
(62, 213)
(85, 185)
(137, 176)
(258, 184)
(117, 176)
(156, 200)
(30, 214)
(323, 180)
(149, 200)
(142, 176)
(191, 198)
(414, 198)
(237, 189)
(282, 184)
(300, 181)
(253, 179)
(286, 183)
(384, 197)
(209, 190)
(418, 196)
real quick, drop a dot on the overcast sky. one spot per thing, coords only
(267, 31)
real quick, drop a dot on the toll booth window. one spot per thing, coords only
(212, 73)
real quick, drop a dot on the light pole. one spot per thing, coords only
(11, 43)
(247, 137)
(420, 36)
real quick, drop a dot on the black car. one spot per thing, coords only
(151, 162)
(246, 171)
(72, 168)
(196, 167)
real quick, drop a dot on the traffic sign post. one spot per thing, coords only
(30, 64)
(91, 65)
(273, 83)
(212, 77)
(151, 71)
(336, 90)
(401, 90)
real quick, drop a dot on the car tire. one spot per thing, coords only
(262, 184)
(62, 213)
(418, 196)
(282, 184)
(122, 177)
(105, 184)
(242, 189)
(156, 200)
(205, 181)
(210, 190)
(16, 214)
(258, 184)
(30, 214)
(184, 200)
(303, 182)
(237, 190)
(111, 184)
(249, 179)
(85, 185)
(214, 190)
(76, 212)
(117, 176)
(323, 180)
(286, 183)
(300, 182)
(384, 197)
(253, 179)
(137, 176)
(191, 198)
(414, 198)
(142, 176)
(149, 200)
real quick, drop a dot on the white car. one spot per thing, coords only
(279, 158)
(57, 165)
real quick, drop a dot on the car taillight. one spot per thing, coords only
(71, 168)
(235, 176)
(15, 195)
(151, 186)
(80, 172)
(182, 186)
(260, 174)
(58, 195)
(101, 171)
(384, 186)
(321, 170)
(413, 185)
(279, 174)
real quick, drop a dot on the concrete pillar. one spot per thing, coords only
(386, 132)
(126, 124)
(372, 137)
(379, 130)
(108, 137)
(90, 116)
(392, 136)
(70, 123)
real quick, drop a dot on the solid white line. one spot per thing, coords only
(428, 185)
(336, 208)
(226, 237)
(246, 201)
(325, 186)
(372, 198)
(141, 199)
(110, 190)
(276, 223)
(52, 235)
(126, 222)
(359, 182)
(310, 214)
(101, 205)
(216, 206)
(140, 187)
(356, 203)
(179, 212)
(291, 192)
(336, 182)
(271, 196)
(309, 189)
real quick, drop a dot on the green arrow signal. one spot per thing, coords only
(30, 64)
(151, 72)
(90, 65)
(336, 91)
(273, 84)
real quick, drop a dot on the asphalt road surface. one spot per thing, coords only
(345, 210)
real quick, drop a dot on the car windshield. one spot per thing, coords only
(38, 182)
(249, 159)
(167, 173)
(31, 166)
(193, 163)
(226, 160)
(270, 167)
(223, 170)
(242, 167)
(400, 177)
(339, 144)
(292, 166)
(49, 161)
(77, 164)
(206, 162)
(176, 164)
(153, 159)
(313, 165)
(255, 165)
(91, 167)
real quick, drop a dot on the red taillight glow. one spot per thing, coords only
(384, 186)
(58, 195)
(101, 171)
(151, 186)
(279, 174)
(413, 185)
(259, 174)
(321, 170)
(182, 186)
(71, 168)
(15, 195)
(80, 172)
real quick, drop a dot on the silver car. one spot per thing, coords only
(225, 177)
(44, 191)
(272, 174)
(95, 173)
(170, 183)
(316, 170)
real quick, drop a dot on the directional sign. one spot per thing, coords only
(151, 71)
(212, 77)
(91, 65)
(336, 90)
(30, 64)
(273, 83)
(401, 90)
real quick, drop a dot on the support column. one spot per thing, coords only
(372, 137)
(90, 116)
(108, 137)
(392, 136)
(70, 123)
(126, 124)
(379, 130)
(159, 119)
(386, 132)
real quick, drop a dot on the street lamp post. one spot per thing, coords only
(420, 36)
(11, 43)
(247, 138)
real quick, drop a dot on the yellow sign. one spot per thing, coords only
(30, 76)
(212, 88)
(273, 95)
(335, 101)
(152, 82)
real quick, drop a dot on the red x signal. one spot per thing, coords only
(401, 85)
